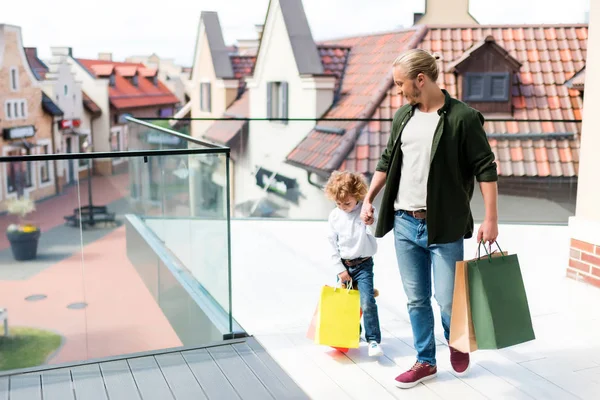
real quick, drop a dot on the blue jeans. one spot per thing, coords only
(362, 274)
(416, 261)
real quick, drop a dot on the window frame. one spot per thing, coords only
(487, 95)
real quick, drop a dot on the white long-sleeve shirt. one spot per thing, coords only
(349, 237)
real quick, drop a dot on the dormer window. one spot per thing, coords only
(484, 75)
(112, 80)
(155, 80)
(135, 80)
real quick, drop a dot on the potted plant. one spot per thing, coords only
(23, 236)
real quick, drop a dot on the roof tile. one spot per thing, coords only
(124, 95)
(538, 93)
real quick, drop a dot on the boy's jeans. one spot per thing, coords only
(362, 274)
(415, 261)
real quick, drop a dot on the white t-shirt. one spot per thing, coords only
(417, 139)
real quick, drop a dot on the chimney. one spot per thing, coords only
(447, 12)
(105, 56)
(259, 30)
(62, 51)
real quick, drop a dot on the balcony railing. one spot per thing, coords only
(99, 267)
(279, 166)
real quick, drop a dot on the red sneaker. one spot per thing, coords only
(418, 373)
(460, 361)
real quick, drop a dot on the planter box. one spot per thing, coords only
(24, 244)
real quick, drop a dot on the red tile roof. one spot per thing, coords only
(548, 54)
(37, 66)
(124, 95)
(334, 59)
(243, 66)
(90, 105)
(223, 131)
(367, 77)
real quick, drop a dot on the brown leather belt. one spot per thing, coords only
(355, 262)
(418, 214)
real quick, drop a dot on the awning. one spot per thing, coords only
(50, 107)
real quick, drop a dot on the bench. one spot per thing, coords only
(4, 320)
(82, 216)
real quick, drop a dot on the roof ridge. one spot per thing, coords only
(403, 30)
(500, 26)
(372, 106)
(117, 63)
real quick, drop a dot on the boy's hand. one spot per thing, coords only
(344, 277)
(366, 213)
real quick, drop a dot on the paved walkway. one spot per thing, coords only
(277, 279)
(50, 213)
(121, 315)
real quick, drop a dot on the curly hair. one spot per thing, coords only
(342, 184)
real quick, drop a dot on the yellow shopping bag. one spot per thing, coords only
(338, 321)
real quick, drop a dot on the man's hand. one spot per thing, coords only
(366, 213)
(488, 231)
(344, 277)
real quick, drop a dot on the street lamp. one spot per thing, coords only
(87, 148)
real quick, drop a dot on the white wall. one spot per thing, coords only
(270, 142)
(61, 75)
(588, 190)
(97, 89)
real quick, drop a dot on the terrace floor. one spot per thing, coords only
(237, 369)
(279, 268)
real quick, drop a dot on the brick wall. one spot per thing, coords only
(584, 262)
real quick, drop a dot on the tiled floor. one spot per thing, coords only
(277, 278)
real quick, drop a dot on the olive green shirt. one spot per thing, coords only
(460, 153)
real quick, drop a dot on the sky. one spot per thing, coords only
(169, 28)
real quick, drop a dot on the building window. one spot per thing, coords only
(112, 80)
(44, 165)
(486, 87)
(15, 109)
(66, 90)
(277, 100)
(135, 80)
(19, 174)
(205, 97)
(14, 79)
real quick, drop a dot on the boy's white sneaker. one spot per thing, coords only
(375, 349)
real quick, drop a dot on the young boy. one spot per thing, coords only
(353, 246)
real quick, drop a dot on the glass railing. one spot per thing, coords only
(279, 168)
(132, 257)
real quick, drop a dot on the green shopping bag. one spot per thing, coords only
(499, 306)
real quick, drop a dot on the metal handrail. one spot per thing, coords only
(175, 133)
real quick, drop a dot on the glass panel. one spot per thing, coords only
(130, 258)
(277, 173)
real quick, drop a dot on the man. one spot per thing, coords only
(436, 149)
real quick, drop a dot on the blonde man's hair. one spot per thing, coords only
(416, 61)
(342, 184)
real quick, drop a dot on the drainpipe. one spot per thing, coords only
(317, 185)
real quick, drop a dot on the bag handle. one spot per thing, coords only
(338, 285)
(490, 252)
